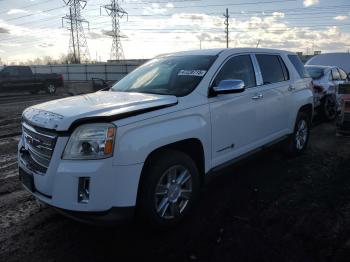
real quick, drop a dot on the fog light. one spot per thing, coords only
(83, 190)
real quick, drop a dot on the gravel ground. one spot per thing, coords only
(268, 208)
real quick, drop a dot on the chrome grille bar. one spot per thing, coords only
(39, 144)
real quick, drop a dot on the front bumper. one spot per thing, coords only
(113, 189)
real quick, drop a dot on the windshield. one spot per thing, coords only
(315, 72)
(175, 75)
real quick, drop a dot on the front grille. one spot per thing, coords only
(40, 145)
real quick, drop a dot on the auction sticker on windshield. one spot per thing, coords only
(191, 72)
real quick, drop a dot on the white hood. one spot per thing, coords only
(60, 114)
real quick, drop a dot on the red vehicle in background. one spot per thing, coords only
(343, 119)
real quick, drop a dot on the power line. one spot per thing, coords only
(44, 11)
(31, 5)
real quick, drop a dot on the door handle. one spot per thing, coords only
(257, 96)
(291, 88)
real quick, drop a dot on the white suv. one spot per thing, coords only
(149, 142)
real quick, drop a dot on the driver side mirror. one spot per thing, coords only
(230, 86)
(348, 77)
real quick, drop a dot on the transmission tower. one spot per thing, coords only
(115, 11)
(78, 48)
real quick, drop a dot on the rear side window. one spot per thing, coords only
(24, 71)
(272, 69)
(298, 65)
(238, 67)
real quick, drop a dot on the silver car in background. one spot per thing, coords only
(326, 80)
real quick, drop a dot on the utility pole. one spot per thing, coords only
(115, 11)
(78, 47)
(226, 23)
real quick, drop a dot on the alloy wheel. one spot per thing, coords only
(51, 88)
(301, 134)
(173, 192)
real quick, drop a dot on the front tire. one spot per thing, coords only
(298, 141)
(169, 189)
(50, 88)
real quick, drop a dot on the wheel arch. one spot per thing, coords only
(193, 147)
(307, 109)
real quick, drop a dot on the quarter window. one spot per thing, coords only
(271, 69)
(238, 67)
(298, 65)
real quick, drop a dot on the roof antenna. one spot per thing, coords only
(257, 44)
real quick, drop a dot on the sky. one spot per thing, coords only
(33, 28)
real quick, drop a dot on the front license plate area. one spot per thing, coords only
(27, 179)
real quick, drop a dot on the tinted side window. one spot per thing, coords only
(335, 74)
(238, 67)
(343, 75)
(11, 70)
(298, 65)
(271, 68)
(25, 71)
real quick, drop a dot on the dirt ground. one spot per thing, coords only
(269, 208)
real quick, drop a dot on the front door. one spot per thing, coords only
(233, 116)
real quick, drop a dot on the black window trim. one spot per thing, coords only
(285, 70)
(224, 62)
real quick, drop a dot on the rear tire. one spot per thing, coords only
(298, 141)
(329, 108)
(169, 189)
(50, 88)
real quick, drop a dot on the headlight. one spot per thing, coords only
(91, 141)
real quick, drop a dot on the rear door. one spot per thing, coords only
(273, 118)
(301, 80)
